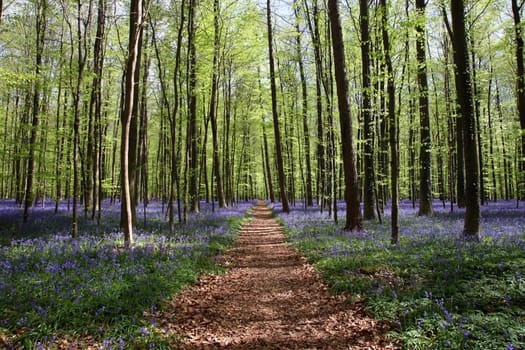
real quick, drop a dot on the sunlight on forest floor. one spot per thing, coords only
(442, 292)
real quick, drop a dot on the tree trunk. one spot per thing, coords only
(353, 209)
(313, 25)
(141, 171)
(490, 128)
(193, 162)
(133, 126)
(506, 167)
(95, 109)
(213, 107)
(41, 22)
(425, 155)
(77, 97)
(366, 115)
(135, 25)
(520, 87)
(464, 94)
(477, 116)
(394, 127)
(275, 114)
(306, 131)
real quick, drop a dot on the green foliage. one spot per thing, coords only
(440, 291)
(96, 289)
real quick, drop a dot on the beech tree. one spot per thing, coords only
(212, 113)
(275, 113)
(464, 96)
(425, 154)
(192, 163)
(41, 21)
(353, 207)
(366, 112)
(517, 6)
(201, 113)
(393, 116)
(135, 24)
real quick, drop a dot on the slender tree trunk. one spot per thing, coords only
(451, 128)
(228, 156)
(135, 25)
(366, 115)
(304, 96)
(142, 154)
(477, 116)
(3, 174)
(193, 162)
(506, 167)
(394, 125)
(82, 24)
(491, 136)
(313, 25)
(353, 209)
(174, 161)
(464, 94)
(460, 167)
(213, 106)
(133, 125)
(425, 155)
(520, 87)
(275, 113)
(41, 24)
(267, 165)
(95, 108)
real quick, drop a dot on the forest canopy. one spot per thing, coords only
(187, 86)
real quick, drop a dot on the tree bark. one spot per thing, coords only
(520, 86)
(353, 209)
(313, 26)
(77, 96)
(193, 162)
(41, 22)
(366, 115)
(304, 96)
(394, 126)
(275, 114)
(95, 110)
(135, 25)
(425, 155)
(213, 106)
(464, 94)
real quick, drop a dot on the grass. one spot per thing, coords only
(92, 290)
(439, 291)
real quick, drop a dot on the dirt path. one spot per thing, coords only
(270, 299)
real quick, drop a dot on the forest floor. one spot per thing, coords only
(270, 298)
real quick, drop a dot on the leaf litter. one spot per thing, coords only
(271, 298)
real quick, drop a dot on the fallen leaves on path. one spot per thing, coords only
(271, 298)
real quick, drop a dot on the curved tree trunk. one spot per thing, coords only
(213, 107)
(135, 24)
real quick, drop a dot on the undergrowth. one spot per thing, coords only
(92, 290)
(438, 290)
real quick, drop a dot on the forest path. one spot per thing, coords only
(271, 298)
